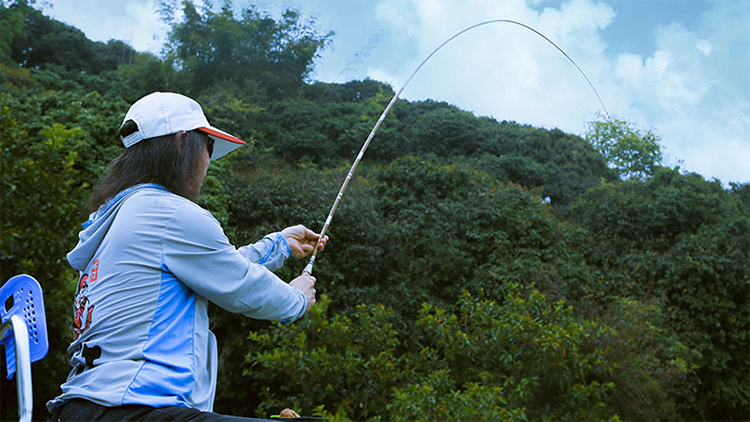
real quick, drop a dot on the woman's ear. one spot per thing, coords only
(179, 138)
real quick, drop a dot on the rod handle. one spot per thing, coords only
(308, 268)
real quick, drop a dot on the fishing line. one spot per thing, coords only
(309, 266)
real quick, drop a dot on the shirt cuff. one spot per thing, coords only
(301, 312)
(286, 244)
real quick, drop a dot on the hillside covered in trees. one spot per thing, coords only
(477, 270)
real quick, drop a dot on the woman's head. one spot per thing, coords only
(178, 162)
(168, 141)
(165, 113)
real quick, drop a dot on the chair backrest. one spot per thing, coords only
(23, 332)
(22, 296)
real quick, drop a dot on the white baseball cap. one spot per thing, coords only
(165, 113)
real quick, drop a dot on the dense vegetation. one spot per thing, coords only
(477, 270)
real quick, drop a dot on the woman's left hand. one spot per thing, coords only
(302, 240)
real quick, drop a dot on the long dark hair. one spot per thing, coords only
(171, 161)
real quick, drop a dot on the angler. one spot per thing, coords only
(150, 260)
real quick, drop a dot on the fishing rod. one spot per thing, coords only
(309, 267)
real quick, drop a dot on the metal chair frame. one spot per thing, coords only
(14, 325)
(30, 346)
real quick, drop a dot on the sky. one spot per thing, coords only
(677, 68)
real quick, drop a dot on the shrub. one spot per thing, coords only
(527, 358)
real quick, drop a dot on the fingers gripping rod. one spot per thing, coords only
(309, 267)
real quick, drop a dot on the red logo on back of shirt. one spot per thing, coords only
(82, 307)
(95, 271)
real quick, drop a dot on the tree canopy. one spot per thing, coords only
(626, 148)
(254, 55)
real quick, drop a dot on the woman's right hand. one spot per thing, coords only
(306, 284)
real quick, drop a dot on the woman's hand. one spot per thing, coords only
(306, 284)
(302, 240)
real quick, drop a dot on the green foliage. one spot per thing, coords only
(444, 131)
(683, 241)
(352, 91)
(47, 161)
(11, 27)
(562, 166)
(37, 41)
(454, 223)
(742, 190)
(628, 150)
(528, 349)
(334, 361)
(430, 399)
(654, 372)
(528, 358)
(326, 132)
(143, 74)
(399, 222)
(55, 145)
(649, 218)
(319, 130)
(269, 195)
(706, 281)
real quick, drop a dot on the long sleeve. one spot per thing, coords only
(199, 254)
(271, 251)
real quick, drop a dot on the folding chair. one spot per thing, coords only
(23, 333)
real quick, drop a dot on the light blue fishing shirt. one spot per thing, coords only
(149, 262)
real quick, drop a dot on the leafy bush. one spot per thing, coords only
(338, 362)
(682, 241)
(528, 358)
(49, 145)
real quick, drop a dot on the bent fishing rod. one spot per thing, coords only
(309, 267)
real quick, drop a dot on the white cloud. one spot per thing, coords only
(682, 93)
(502, 69)
(704, 46)
(382, 75)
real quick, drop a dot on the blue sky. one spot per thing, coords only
(680, 68)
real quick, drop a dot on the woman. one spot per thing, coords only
(150, 259)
